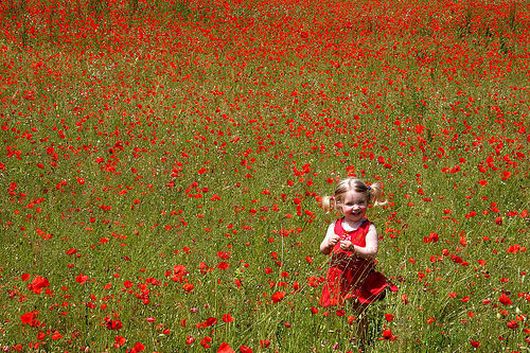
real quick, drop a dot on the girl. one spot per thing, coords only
(352, 242)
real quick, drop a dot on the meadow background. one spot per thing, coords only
(160, 163)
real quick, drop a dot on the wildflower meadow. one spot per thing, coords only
(161, 163)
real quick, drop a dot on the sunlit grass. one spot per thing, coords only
(160, 163)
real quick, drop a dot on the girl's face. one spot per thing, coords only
(354, 206)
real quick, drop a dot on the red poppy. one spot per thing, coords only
(228, 318)
(223, 265)
(225, 348)
(264, 343)
(138, 347)
(505, 300)
(388, 335)
(81, 278)
(206, 342)
(30, 318)
(179, 272)
(188, 287)
(119, 341)
(245, 349)
(114, 324)
(207, 323)
(38, 284)
(278, 296)
(56, 335)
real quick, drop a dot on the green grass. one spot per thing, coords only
(147, 136)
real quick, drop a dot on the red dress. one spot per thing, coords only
(351, 276)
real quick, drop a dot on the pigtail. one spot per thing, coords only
(327, 203)
(376, 194)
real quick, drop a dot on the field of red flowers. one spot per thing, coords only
(160, 161)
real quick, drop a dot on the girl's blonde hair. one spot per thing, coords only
(374, 193)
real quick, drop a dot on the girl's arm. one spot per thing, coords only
(370, 250)
(330, 239)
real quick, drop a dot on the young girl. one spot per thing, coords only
(352, 242)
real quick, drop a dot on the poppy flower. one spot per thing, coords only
(206, 342)
(81, 278)
(278, 296)
(119, 341)
(225, 348)
(30, 318)
(387, 335)
(264, 343)
(56, 335)
(179, 272)
(188, 287)
(505, 300)
(38, 283)
(138, 347)
(223, 265)
(228, 318)
(207, 323)
(114, 325)
(245, 349)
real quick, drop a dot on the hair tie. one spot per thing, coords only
(369, 188)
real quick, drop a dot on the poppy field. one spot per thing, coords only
(161, 162)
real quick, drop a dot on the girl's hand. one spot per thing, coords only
(346, 245)
(333, 240)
